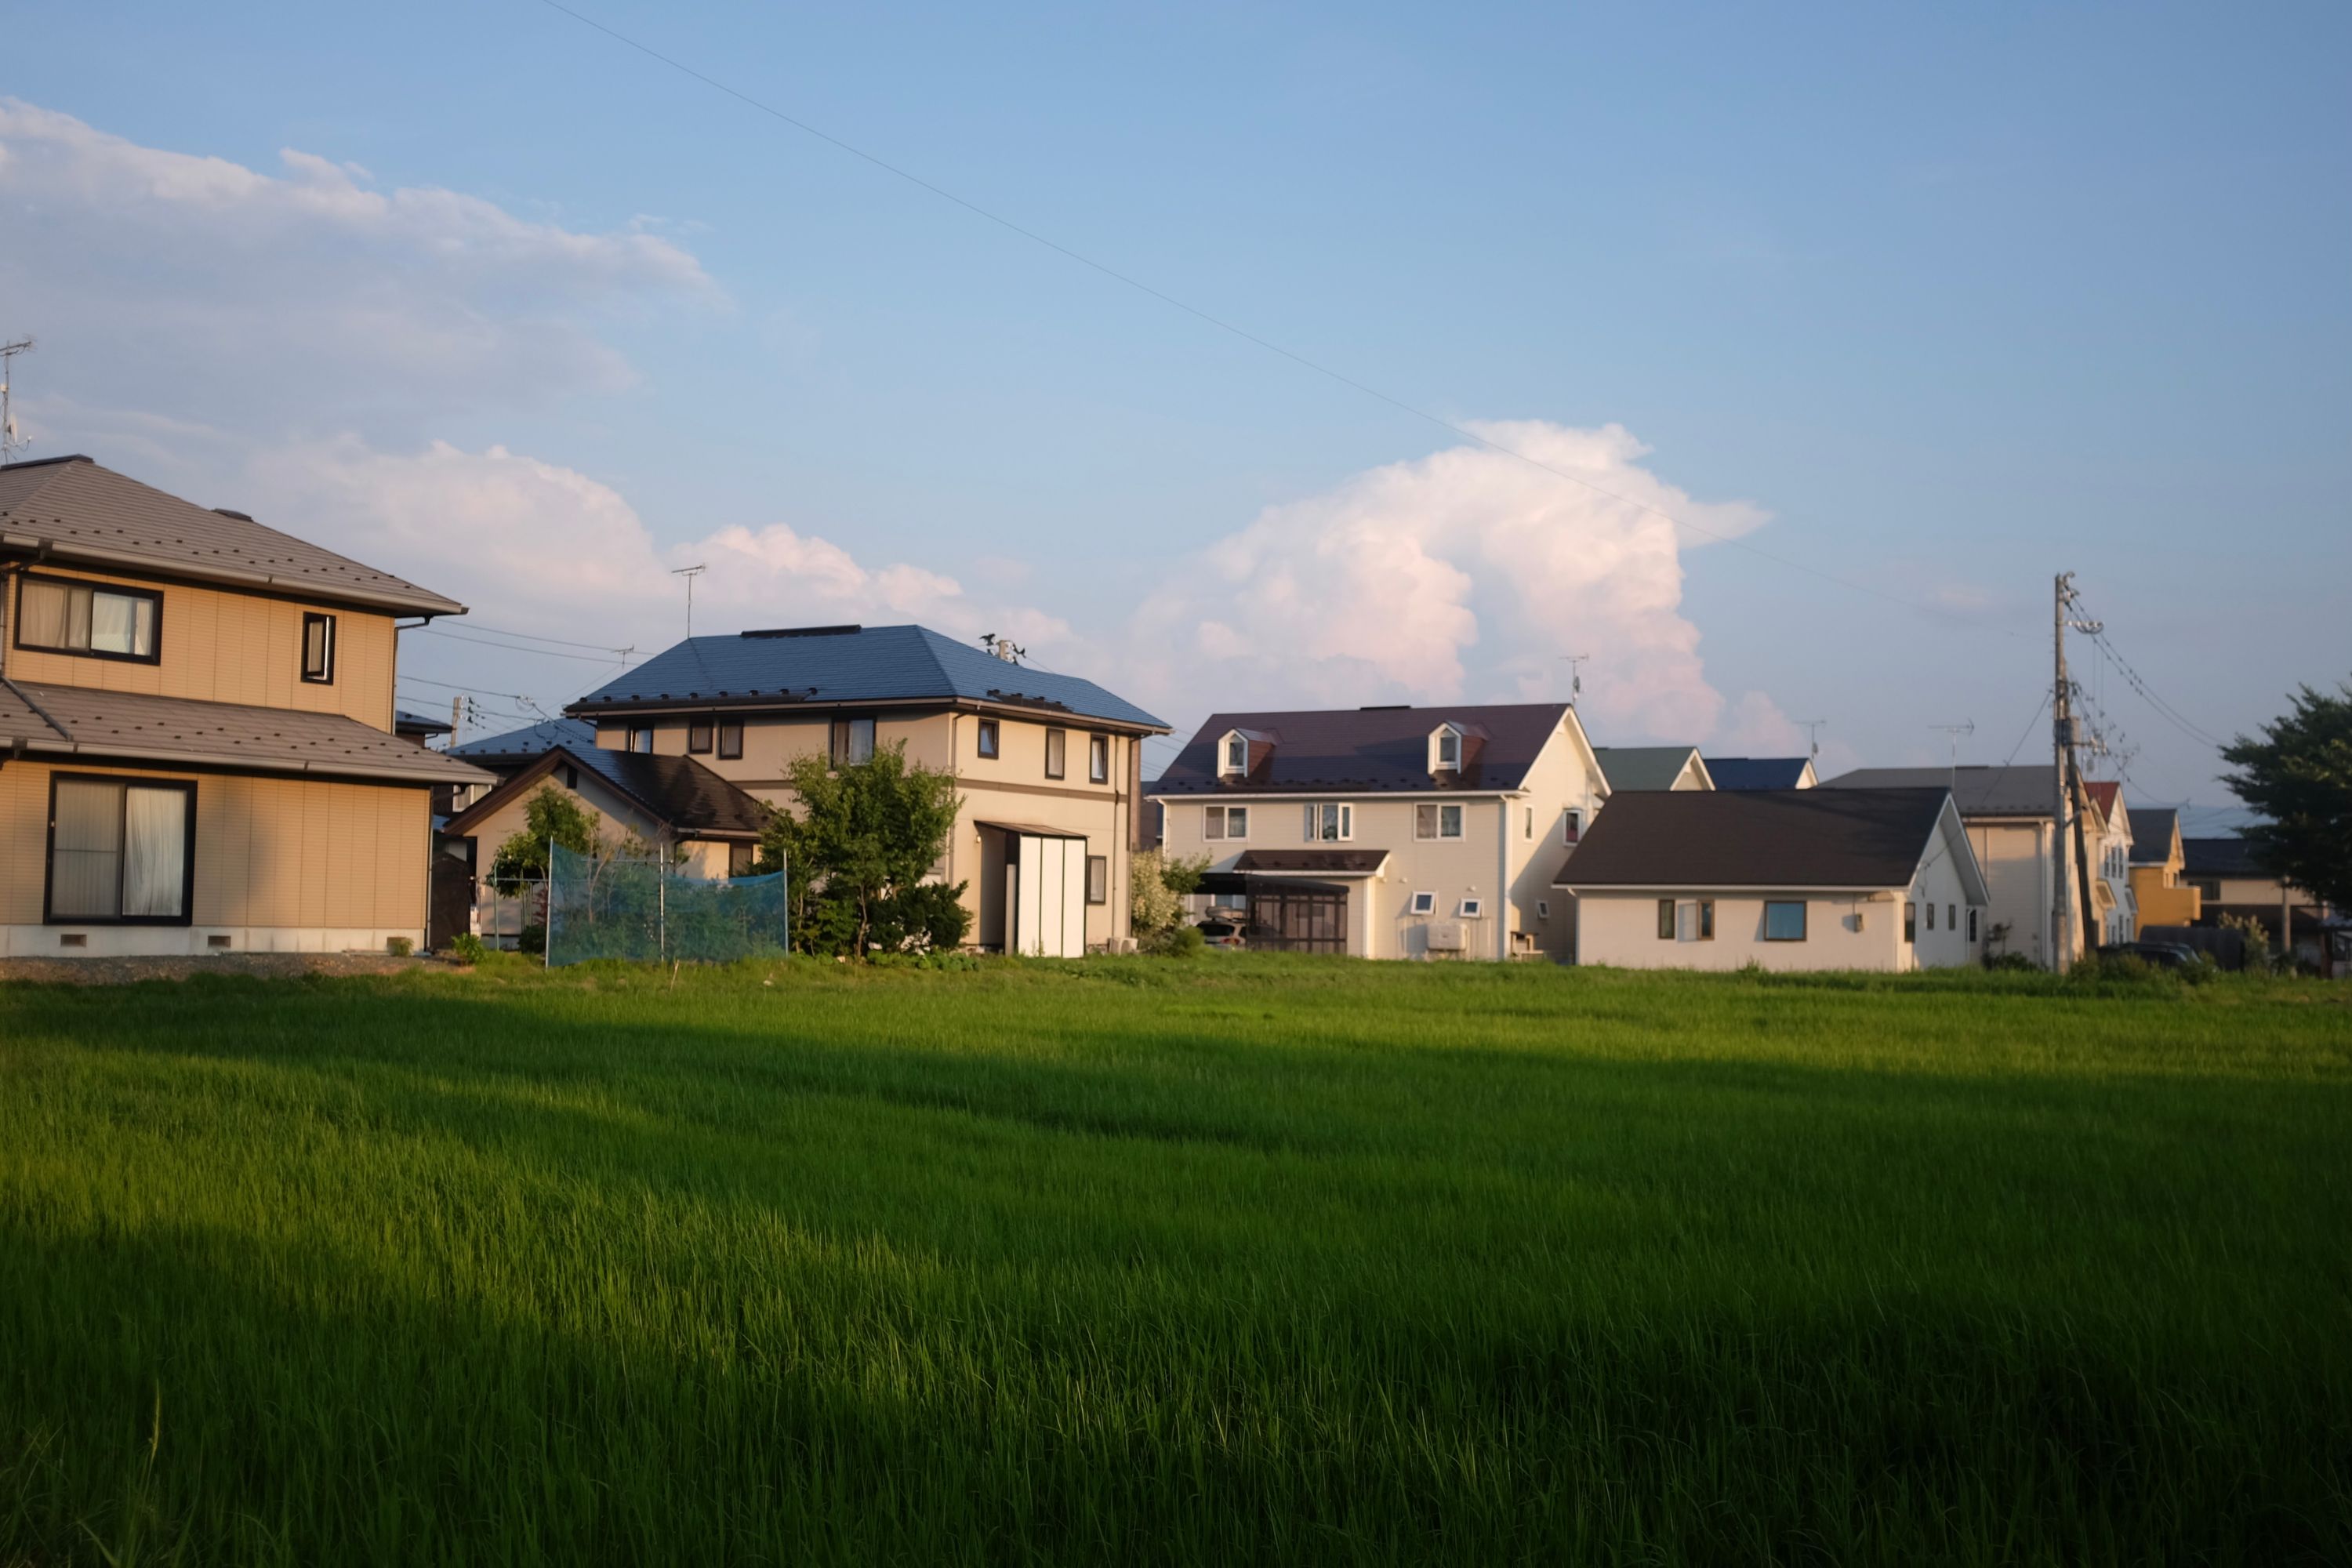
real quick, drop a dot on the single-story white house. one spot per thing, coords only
(1812, 878)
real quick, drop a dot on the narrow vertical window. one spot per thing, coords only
(1666, 919)
(988, 738)
(1057, 747)
(1098, 758)
(731, 739)
(318, 647)
(1910, 922)
(1571, 827)
(1097, 879)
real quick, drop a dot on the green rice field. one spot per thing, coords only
(1133, 1261)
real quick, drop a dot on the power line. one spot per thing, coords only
(509, 648)
(2041, 708)
(1220, 323)
(474, 626)
(2133, 679)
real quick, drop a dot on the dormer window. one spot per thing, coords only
(1446, 750)
(1233, 755)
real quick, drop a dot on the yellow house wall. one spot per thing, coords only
(219, 646)
(282, 864)
(2161, 901)
(1009, 788)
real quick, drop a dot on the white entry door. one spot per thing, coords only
(1049, 897)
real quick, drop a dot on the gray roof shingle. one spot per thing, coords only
(1643, 767)
(2020, 791)
(2152, 828)
(848, 665)
(1318, 751)
(1757, 838)
(117, 726)
(87, 513)
(678, 791)
(519, 745)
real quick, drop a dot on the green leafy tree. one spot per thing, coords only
(550, 815)
(858, 849)
(2298, 776)
(1157, 886)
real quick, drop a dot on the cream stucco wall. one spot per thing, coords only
(2015, 858)
(218, 645)
(1510, 849)
(1844, 929)
(283, 865)
(1009, 788)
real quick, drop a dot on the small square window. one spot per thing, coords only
(641, 738)
(1472, 908)
(1057, 750)
(1422, 904)
(740, 858)
(1098, 758)
(317, 648)
(1543, 910)
(1098, 879)
(698, 738)
(852, 741)
(731, 739)
(1784, 920)
(988, 738)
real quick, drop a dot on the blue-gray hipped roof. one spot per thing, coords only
(833, 665)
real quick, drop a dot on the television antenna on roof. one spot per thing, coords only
(10, 442)
(1953, 733)
(689, 573)
(1812, 728)
(1575, 676)
(1003, 648)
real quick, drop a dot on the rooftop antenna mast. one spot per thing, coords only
(1575, 675)
(689, 573)
(1953, 733)
(10, 442)
(1812, 728)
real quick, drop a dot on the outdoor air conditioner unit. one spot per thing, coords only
(1446, 936)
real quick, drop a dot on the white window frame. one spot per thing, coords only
(1443, 738)
(1421, 904)
(1098, 758)
(1471, 909)
(1217, 825)
(1571, 827)
(1228, 744)
(1437, 810)
(1338, 814)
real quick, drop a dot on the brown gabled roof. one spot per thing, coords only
(1757, 838)
(78, 721)
(73, 509)
(1367, 750)
(678, 792)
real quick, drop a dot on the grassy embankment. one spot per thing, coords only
(1136, 1261)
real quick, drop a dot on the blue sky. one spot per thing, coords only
(1936, 303)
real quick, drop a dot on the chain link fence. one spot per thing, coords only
(647, 910)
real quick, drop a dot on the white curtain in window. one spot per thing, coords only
(114, 623)
(155, 852)
(86, 850)
(861, 739)
(43, 607)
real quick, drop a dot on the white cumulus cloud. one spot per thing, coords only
(1465, 576)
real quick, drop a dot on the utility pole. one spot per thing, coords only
(2066, 926)
(10, 442)
(689, 573)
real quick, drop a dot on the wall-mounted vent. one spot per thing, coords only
(806, 632)
(73, 938)
(219, 941)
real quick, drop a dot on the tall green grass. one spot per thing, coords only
(1136, 1262)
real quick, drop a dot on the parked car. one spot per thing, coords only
(1218, 932)
(2155, 954)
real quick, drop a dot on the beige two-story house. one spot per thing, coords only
(1391, 832)
(197, 739)
(1048, 766)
